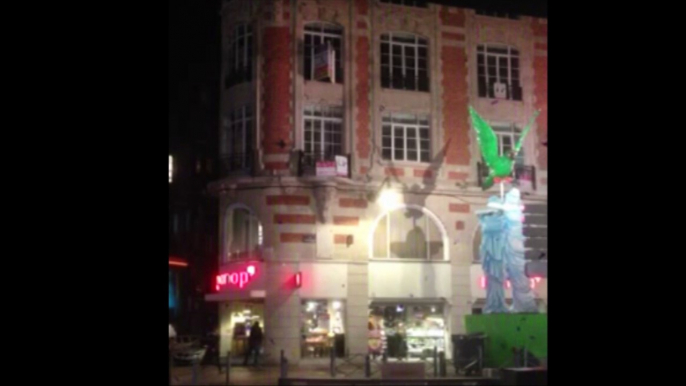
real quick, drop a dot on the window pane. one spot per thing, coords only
(423, 52)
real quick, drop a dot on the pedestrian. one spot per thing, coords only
(254, 343)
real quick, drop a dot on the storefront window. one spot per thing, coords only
(406, 331)
(237, 320)
(323, 328)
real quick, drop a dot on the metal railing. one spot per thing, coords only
(521, 173)
(307, 162)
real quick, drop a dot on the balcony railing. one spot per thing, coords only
(523, 174)
(307, 162)
(236, 162)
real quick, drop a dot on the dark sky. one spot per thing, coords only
(193, 67)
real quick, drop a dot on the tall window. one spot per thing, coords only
(323, 132)
(507, 139)
(240, 56)
(237, 139)
(243, 234)
(411, 3)
(404, 62)
(408, 233)
(317, 37)
(171, 168)
(405, 137)
(498, 72)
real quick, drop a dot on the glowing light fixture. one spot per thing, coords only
(389, 199)
(336, 305)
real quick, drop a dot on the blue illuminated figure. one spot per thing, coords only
(522, 295)
(493, 249)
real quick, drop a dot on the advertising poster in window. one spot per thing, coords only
(341, 166)
(324, 62)
(326, 168)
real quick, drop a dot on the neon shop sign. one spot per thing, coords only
(533, 282)
(239, 279)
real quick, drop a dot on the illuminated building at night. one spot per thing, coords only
(351, 174)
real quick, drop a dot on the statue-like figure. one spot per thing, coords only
(493, 249)
(522, 296)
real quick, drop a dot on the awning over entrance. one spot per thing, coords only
(226, 296)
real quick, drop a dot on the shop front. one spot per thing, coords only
(408, 329)
(240, 298)
(409, 318)
(323, 328)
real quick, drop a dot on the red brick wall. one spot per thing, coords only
(541, 92)
(294, 219)
(352, 203)
(276, 71)
(288, 200)
(345, 220)
(456, 19)
(455, 100)
(362, 89)
(459, 208)
(363, 132)
(362, 6)
(294, 237)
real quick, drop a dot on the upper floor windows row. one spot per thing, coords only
(404, 61)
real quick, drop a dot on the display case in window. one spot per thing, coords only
(322, 328)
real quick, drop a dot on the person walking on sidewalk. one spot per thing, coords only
(254, 343)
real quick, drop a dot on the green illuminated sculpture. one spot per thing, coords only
(499, 166)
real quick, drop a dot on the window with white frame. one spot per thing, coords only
(323, 132)
(239, 59)
(408, 233)
(404, 62)
(508, 136)
(498, 72)
(243, 234)
(405, 137)
(317, 37)
(237, 139)
(409, 3)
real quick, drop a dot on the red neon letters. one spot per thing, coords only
(236, 278)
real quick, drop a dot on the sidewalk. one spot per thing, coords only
(262, 375)
(269, 374)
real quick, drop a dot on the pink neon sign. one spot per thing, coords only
(236, 278)
(533, 282)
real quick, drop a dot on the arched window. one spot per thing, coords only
(318, 36)
(404, 61)
(242, 234)
(409, 233)
(498, 72)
